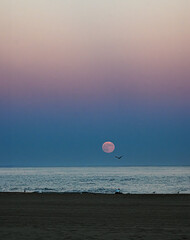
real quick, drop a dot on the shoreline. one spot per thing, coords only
(97, 193)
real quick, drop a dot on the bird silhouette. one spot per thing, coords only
(118, 157)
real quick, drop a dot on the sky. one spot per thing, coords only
(77, 73)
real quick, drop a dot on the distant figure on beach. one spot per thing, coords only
(117, 191)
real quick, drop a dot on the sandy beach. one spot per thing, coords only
(94, 216)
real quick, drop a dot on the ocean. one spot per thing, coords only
(96, 179)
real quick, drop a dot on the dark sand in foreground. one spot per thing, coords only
(94, 216)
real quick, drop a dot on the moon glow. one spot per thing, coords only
(108, 147)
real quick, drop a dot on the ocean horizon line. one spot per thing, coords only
(83, 166)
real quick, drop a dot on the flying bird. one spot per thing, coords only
(118, 157)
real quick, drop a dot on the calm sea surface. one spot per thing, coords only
(96, 179)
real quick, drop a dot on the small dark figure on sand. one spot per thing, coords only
(118, 191)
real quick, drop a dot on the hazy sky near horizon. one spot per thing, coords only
(77, 73)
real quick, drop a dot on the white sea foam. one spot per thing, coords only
(96, 179)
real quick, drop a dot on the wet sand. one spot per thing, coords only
(94, 216)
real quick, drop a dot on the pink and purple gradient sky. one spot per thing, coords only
(74, 73)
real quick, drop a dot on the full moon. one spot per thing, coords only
(108, 147)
